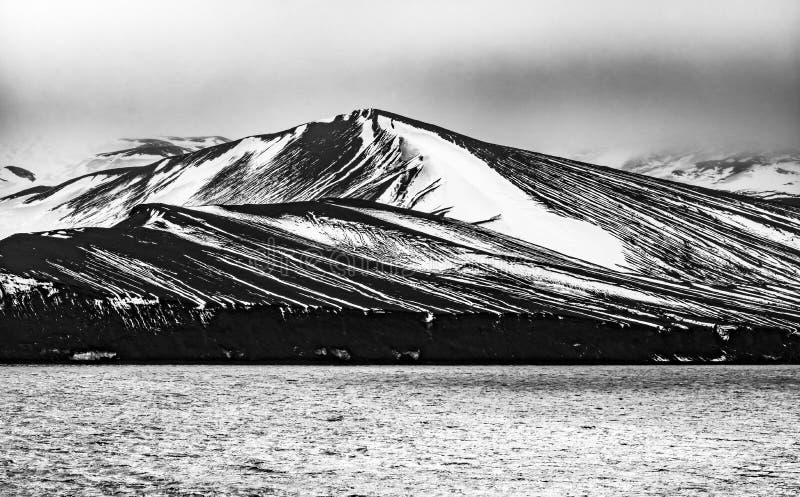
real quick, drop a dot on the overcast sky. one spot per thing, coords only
(550, 76)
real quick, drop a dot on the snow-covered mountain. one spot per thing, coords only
(347, 253)
(769, 174)
(171, 266)
(604, 216)
(429, 224)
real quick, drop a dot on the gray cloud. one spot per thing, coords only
(553, 76)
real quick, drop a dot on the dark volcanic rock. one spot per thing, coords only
(275, 334)
(22, 172)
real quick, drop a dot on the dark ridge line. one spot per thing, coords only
(426, 191)
(560, 263)
(27, 191)
(219, 149)
(452, 136)
(496, 217)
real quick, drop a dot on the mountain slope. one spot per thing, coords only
(55, 163)
(604, 216)
(347, 255)
(503, 248)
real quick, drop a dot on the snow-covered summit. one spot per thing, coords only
(611, 218)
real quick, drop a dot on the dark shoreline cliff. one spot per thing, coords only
(275, 334)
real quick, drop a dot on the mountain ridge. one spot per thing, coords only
(296, 187)
(376, 213)
(177, 271)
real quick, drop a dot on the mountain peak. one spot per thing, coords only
(579, 210)
(372, 113)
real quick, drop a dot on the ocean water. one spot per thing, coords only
(461, 430)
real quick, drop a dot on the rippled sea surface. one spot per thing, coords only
(462, 430)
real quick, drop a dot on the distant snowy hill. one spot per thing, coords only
(767, 174)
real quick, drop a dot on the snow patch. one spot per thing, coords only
(92, 355)
(473, 191)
